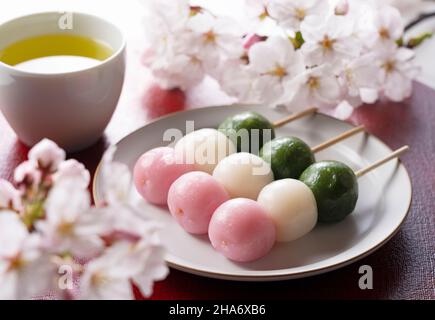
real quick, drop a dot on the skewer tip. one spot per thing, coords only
(377, 164)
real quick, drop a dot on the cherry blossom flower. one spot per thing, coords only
(47, 155)
(184, 71)
(360, 78)
(257, 9)
(106, 277)
(386, 27)
(145, 255)
(329, 40)
(150, 255)
(397, 72)
(217, 36)
(291, 13)
(276, 62)
(174, 61)
(110, 276)
(317, 87)
(27, 174)
(70, 226)
(171, 53)
(237, 80)
(188, 43)
(259, 20)
(72, 169)
(24, 272)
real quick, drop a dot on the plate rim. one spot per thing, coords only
(276, 277)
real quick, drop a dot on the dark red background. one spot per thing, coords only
(403, 269)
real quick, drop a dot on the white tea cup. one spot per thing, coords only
(70, 108)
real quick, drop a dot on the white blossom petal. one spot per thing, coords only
(47, 155)
(343, 111)
(72, 169)
(116, 177)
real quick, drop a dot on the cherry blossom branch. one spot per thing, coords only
(419, 19)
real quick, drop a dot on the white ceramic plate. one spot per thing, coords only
(385, 197)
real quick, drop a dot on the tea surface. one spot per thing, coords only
(55, 53)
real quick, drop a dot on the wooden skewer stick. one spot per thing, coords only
(293, 117)
(337, 139)
(373, 166)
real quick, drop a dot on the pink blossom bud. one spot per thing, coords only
(252, 39)
(47, 155)
(72, 169)
(27, 174)
(342, 8)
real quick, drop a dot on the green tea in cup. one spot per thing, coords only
(55, 53)
(60, 82)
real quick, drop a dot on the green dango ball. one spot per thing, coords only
(248, 130)
(335, 188)
(288, 157)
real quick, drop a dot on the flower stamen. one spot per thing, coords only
(16, 263)
(384, 33)
(210, 37)
(389, 66)
(264, 15)
(98, 279)
(300, 13)
(313, 83)
(194, 10)
(327, 43)
(195, 60)
(279, 72)
(66, 228)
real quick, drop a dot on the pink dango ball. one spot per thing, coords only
(192, 200)
(155, 171)
(241, 230)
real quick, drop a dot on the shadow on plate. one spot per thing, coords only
(318, 245)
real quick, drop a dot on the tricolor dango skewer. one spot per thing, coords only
(193, 197)
(240, 231)
(327, 192)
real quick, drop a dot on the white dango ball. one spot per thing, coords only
(204, 148)
(292, 207)
(243, 175)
